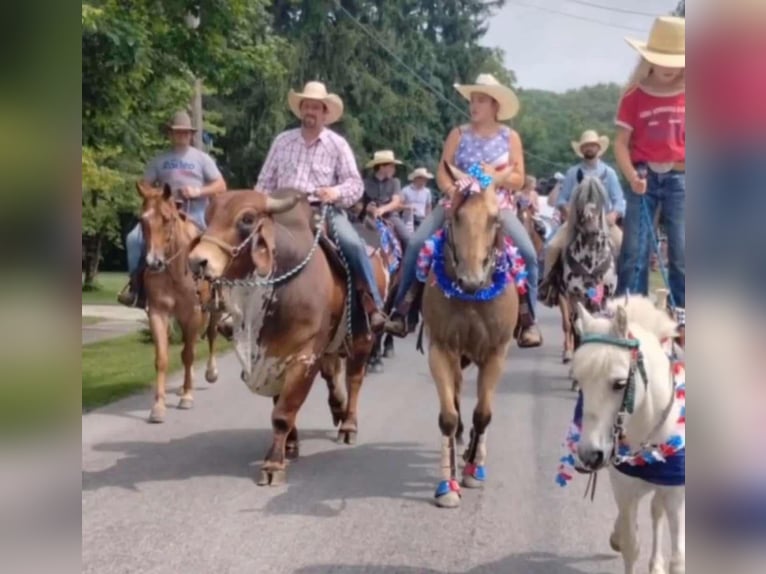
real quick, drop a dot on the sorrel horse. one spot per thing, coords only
(632, 419)
(465, 327)
(172, 292)
(292, 317)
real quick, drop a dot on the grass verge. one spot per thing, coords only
(108, 285)
(119, 367)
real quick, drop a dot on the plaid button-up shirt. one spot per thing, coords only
(326, 162)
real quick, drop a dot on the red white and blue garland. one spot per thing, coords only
(390, 245)
(509, 268)
(673, 448)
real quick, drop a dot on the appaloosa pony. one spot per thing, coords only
(470, 311)
(288, 294)
(172, 292)
(631, 419)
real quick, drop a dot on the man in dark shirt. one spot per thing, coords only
(383, 189)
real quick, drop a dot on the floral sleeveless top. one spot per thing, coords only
(474, 149)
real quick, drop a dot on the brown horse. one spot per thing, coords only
(461, 331)
(289, 303)
(172, 292)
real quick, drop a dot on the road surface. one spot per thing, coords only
(181, 498)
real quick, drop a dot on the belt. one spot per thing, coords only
(657, 167)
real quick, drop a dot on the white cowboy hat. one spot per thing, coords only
(383, 157)
(503, 95)
(181, 122)
(591, 137)
(420, 172)
(316, 91)
(667, 43)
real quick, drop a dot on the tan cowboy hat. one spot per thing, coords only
(181, 122)
(420, 172)
(316, 91)
(503, 95)
(591, 137)
(667, 43)
(383, 157)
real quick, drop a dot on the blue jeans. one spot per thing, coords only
(134, 245)
(355, 252)
(435, 220)
(666, 191)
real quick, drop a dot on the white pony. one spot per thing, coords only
(633, 421)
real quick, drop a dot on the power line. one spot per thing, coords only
(433, 90)
(576, 17)
(613, 9)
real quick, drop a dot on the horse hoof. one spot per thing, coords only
(272, 478)
(474, 476)
(613, 542)
(211, 376)
(157, 414)
(575, 386)
(291, 451)
(566, 357)
(375, 367)
(185, 403)
(347, 437)
(388, 353)
(447, 494)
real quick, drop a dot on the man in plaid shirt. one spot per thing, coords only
(320, 163)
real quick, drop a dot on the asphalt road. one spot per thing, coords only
(181, 497)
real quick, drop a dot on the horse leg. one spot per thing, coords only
(189, 329)
(674, 501)
(657, 562)
(211, 369)
(567, 327)
(298, 379)
(475, 456)
(458, 389)
(388, 346)
(355, 369)
(330, 368)
(627, 492)
(444, 370)
(375, 360)
(158, 323)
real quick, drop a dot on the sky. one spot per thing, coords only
(550, 50)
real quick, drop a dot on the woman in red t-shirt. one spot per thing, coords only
(650, 149)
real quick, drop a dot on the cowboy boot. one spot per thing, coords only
(133, 295)
(528, 334)
(400, 325)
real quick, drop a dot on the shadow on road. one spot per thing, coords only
(529, 563)
(318, 483)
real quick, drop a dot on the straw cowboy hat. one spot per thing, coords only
(420, 172)
(591, 137)
(383, 157)
(667, 43)
(503, 95)
(181, 122)
(316, 91)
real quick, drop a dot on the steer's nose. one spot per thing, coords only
(198, 266)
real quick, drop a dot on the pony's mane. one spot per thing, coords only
(589, 190)
(642, 311)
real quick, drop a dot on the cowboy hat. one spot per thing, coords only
(591, 137)
(508, 103)
(383, 157)
(181, 122)
(420, 172)
(316, 91)
(667, 43)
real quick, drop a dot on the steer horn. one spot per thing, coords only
(282, 204)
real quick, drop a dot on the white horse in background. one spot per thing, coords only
(634, 406)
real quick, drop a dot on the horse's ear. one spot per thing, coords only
(143, 189)
(454, 173)
(584, 318)
(620, 322)
(167, 193)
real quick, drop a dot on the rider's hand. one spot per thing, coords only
(638, 185)
(190, 192)
(328, 194)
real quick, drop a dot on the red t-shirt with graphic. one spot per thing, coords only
(657, 124)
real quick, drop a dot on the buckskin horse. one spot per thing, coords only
(470, 312)
(288, 298)
(172, 292)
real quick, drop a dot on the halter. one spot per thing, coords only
(169, 239)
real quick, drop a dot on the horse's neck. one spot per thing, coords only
(659, 392)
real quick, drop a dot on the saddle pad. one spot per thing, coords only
(369, 234)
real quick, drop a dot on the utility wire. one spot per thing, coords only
(575, 16)
(613, 8)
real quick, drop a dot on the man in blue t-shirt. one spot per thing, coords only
(193, 177)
